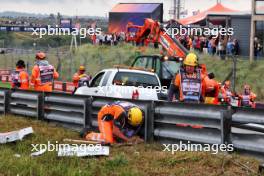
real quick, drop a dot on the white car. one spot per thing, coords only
(123, 83)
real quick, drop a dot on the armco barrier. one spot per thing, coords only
(251, 120)
(4, 101)
(68, 110)
(197, 123)
(248, 115)
(164, 121)
(24, 103)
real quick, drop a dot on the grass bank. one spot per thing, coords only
(143, 159)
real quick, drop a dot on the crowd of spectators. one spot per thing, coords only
(221, 46)
(108, 39)
(25, 21)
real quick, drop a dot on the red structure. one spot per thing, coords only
(218, 9)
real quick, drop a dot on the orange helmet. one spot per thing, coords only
(246, 86)
(227, 83)
(82, 68)
(40, 55)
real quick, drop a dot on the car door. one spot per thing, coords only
(95, 88)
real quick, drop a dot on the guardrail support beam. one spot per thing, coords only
(6, 101)
(40, 106)
(149, 122)
(261, 169)
(226, 121)
(87, 112)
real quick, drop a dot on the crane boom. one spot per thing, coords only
(152, 32)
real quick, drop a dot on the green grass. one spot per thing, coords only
(5, 85)
(143, 159)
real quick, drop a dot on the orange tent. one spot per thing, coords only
(217, 9)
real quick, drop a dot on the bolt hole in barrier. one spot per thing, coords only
(164, 121)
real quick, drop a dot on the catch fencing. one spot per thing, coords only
(165, 122)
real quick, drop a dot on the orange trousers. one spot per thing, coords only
(106, 132)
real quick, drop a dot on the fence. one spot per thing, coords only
(165, 122)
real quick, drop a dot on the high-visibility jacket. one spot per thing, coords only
(113, 114)
(191, 86)
(226, 94)
(80, 79)
(20, 79)
(42, 76)
(211, 91)
(247, 100)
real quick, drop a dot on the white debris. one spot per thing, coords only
(15, 135)
(82, 151)
(17, 155)
(38, 152)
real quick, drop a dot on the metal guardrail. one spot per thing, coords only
(202, 123)
(164, 121)
(71, 111)
(3, 101)
(23, 103)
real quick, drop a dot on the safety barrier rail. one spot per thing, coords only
(166, 122)
(197, 123)
(71, 111)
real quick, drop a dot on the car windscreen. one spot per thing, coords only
(135, 79)
(169, 69)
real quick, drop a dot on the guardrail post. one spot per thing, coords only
(149, 122)
(40, 106)
(226, 121)
(261, 169)
(6, 101)
(87, 112)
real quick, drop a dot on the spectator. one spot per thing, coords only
(221, 49)
(212, 45)
(236, 47)
(257, 47)
(230, 47)
(189, 43)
